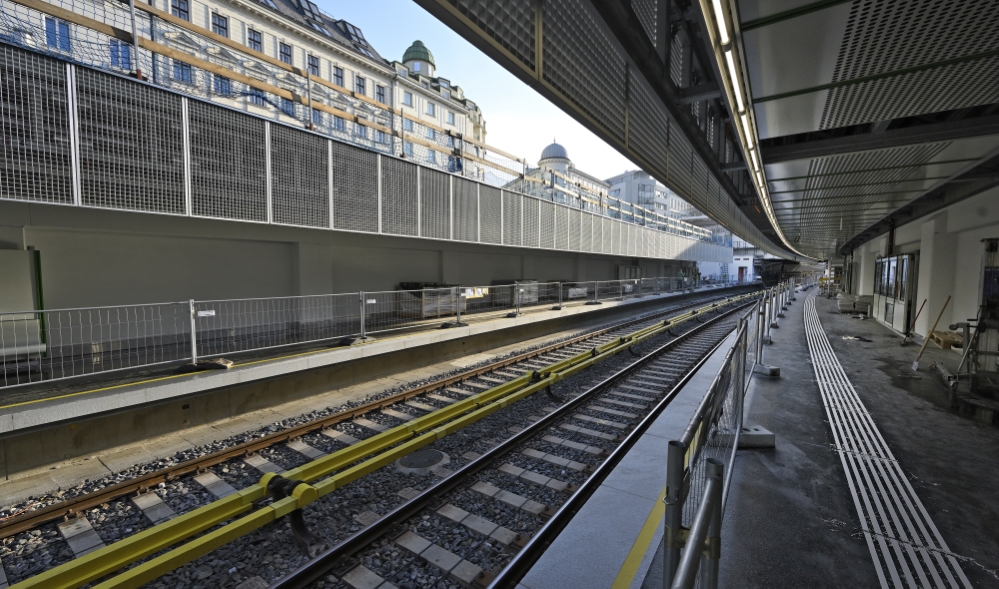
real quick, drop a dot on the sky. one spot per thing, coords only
(518, 119)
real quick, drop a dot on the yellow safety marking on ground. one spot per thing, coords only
(423, 430)
(641, 546)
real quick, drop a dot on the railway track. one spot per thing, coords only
(230, 483)
(588, 433)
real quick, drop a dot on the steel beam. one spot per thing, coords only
(949, 131)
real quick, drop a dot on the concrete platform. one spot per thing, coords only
(66, 421)
(791, 521)
(608, 543)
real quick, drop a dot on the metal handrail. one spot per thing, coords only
(705, 536)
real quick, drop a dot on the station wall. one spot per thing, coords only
(93, 257)
(950, 258)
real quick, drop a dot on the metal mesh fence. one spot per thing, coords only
(57, 344)
(48, 345)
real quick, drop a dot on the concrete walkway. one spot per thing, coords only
(791, 520)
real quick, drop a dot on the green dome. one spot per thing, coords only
(418, 52)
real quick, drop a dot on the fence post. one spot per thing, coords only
(363, 312)
(673, 521)
(712, 550)
(594, 301)
(194, 334)
(457, 305)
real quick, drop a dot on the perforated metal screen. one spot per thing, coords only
(355, 188)
(435, 204)
(132, 138)
(300, 192)
(400, 205)
(532, 218)
(228, 164)
(466, 210)
(512, 215)
(491, 203)
(34, 119)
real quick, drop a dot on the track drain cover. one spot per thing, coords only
(422, 461)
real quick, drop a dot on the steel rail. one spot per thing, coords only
(72, 507)
(532, 551)
(334, 557)
(398, 441)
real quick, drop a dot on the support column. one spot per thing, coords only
(937, 261)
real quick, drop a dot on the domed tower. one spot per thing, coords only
(555, 157)
(419, 59)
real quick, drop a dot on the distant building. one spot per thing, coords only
(640, 188)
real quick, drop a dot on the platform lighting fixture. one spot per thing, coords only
(749, 131)
(733, 75)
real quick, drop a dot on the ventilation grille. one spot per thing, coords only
(355, 188)
(228, 164)
(511, 218)
(491, 203)
(299, 179)
(586, 232)
(883, 37)
(131, 137)
(571, 38)
(466, 210)
(510, 23)
(435, 204)
(575, 222)
(34, 121)
(400, 203)
(547, 218)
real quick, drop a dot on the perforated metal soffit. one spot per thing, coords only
(841, 196)
(888, 36)
(586, 68)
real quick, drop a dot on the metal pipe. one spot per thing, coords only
(690, 561)
(712, 551)
(135, 37)
(673, 522)
(194, 334)
(363, 312)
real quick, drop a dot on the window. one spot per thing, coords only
(57, 34)
(359, 85)
(339, 124)
(311, 10)
(416, 66)
(432, 156)
(181, 72)
(450, 141)
(254, 40)
(338, 76)
(380, 137)
(407, 98)
(407, 125)
(409, 149)
(431, 109)
(361, 131)
(284, 53)
(270, 3)
(450, 118)
(256, 97)
(431, 134)
(222, 84)
(313, 65)
(319, 28)
(220, 24)
(402, 72)
(181, 9)
(287, 107)
(317, 117)
(121, 54)
(380, 94)
(446, 94)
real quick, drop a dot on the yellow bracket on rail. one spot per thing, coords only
(383, 449)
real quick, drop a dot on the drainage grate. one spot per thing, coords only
(906, 546)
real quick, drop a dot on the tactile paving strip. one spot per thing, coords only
(907, 548)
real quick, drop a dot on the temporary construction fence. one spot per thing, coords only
(697, 478)
(67, 343)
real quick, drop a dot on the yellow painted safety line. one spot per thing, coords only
(105, 561)
(641, 545)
